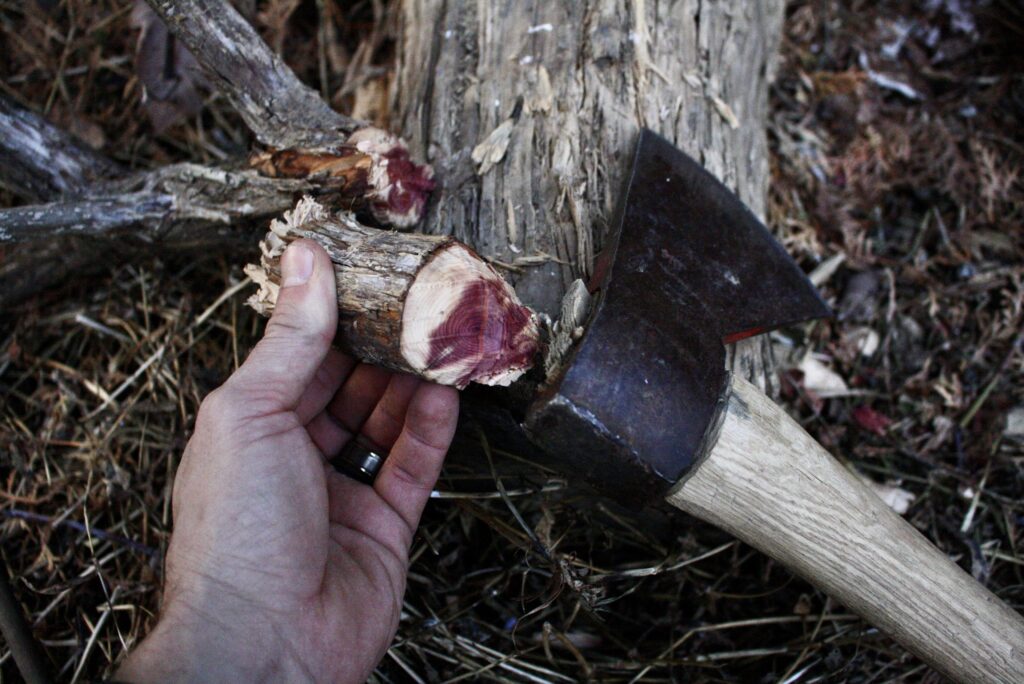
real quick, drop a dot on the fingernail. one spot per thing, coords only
(296, 265)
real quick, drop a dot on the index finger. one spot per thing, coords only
(411, 469)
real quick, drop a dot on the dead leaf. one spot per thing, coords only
(871, 420)
(820, 379)
(896, 498)
(169, 74)
(860, 300)
(1015, 424)
(863, 339)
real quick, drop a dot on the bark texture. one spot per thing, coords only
(445, 337)
(174, 205)
(280, 109)
(40, 161)
(550, 96)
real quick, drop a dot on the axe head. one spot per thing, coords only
(687, 270)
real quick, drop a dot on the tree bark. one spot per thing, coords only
(529, 110)
(556, 91)
(42, 162)
(414, 303)
(282, 111)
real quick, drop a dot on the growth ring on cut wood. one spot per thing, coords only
(420, 304)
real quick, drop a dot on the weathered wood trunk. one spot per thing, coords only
(574, 81)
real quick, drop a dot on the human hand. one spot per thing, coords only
(279, 567)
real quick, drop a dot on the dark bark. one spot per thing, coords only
(38, 161)
(94, 216)
(281, 110)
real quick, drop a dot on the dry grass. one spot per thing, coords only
(527, 580)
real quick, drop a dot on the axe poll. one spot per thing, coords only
(640, 404)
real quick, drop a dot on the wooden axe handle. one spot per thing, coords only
(772, 485)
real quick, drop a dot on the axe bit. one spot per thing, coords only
(646, 409)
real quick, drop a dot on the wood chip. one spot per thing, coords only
(725, 111)
(492, 150)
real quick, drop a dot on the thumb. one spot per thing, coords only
(299, 334)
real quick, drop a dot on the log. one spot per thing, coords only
(39, 161)
(415, 303)
(589, 75)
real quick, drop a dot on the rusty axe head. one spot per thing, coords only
(689, 270)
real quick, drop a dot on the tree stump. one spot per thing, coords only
(528, 112)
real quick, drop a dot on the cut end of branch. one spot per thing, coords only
(372, 168)
(266, 274)
(463, 323)
(399, 187)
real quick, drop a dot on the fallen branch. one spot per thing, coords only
(175, 204)
(415, 303)
(317, 151)
(281, 110)
(40, 162)
(289, 117)
(95, 216)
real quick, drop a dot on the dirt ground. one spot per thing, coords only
(898, 147)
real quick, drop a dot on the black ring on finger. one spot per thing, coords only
(360, 460)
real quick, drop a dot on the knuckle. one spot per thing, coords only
(429, 424)
(409, 478)
(310, 324)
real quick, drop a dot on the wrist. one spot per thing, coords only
(194, 646)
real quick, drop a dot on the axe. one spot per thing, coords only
(646, 410)
(642, 407)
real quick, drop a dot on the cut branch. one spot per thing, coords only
(290, 117)
(415, 303)
(275, 104)
(93, 217)
(181, 203)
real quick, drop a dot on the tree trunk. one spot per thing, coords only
(557, 91)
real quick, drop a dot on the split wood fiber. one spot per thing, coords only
(420, 304)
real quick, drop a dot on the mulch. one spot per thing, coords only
(897, 153)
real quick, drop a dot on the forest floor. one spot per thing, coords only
(897, 133)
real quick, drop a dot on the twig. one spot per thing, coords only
(19, 514)
(18, 636)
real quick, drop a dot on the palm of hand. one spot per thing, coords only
(321, 554)
(279, 567)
